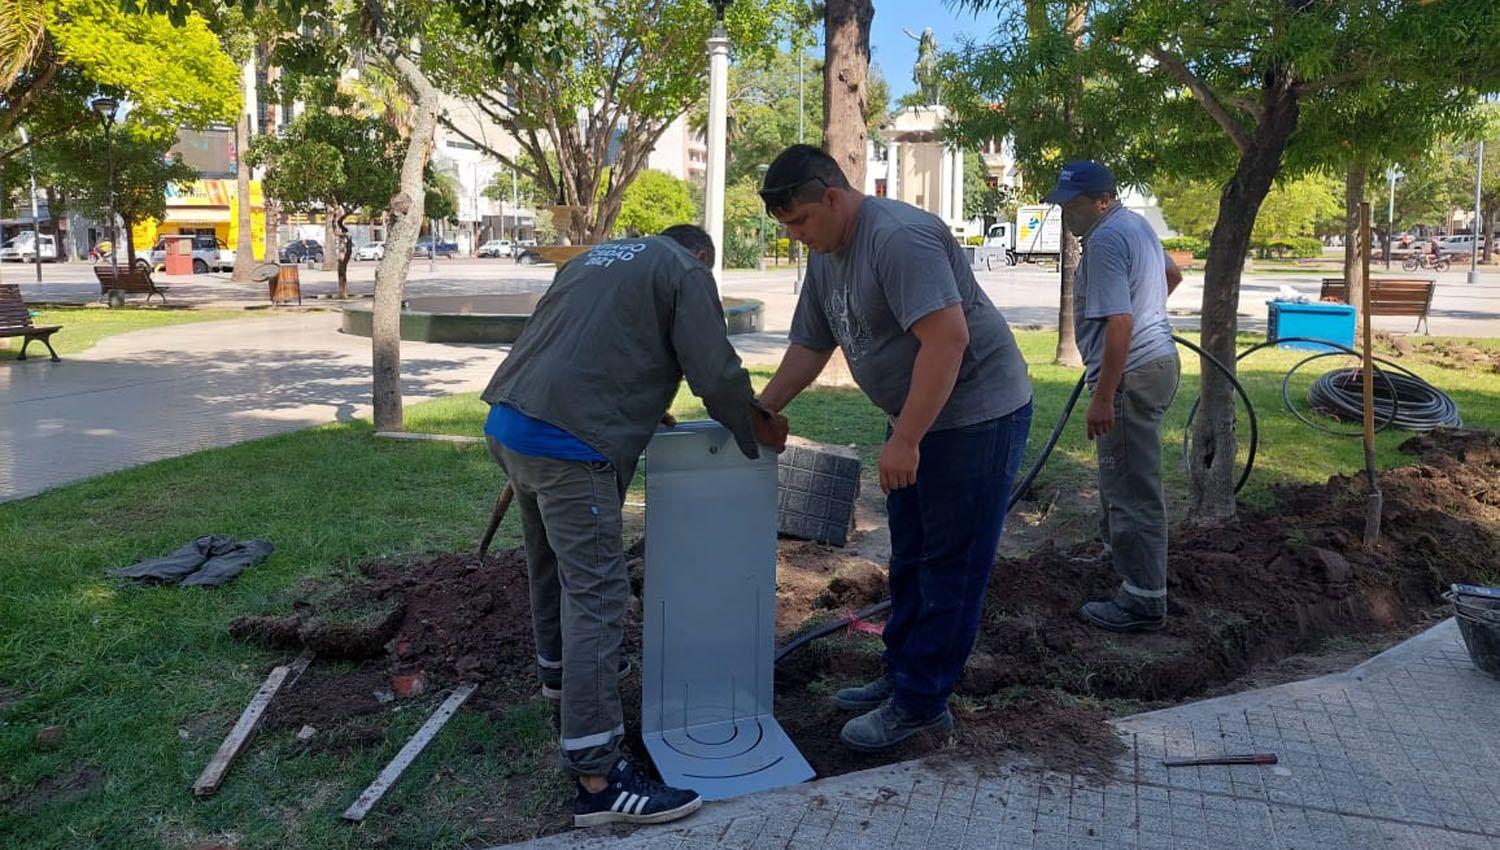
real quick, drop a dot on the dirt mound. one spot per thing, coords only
(1451, 353)
(1270, 585)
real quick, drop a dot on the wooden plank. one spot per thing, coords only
(213, 775)
(371, 795)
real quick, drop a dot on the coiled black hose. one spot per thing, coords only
(1406, 401)
(1019, 490)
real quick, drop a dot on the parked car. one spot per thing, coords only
(302, 250)
(370, 251)
(444, 249)
(23, 248)
(1462, 243)
(496, 248)
(209, 254)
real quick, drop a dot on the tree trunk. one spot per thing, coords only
(344, 251)
(127, 229)
(846, 70)
(407, 210)
(244, 246)
(273, 211)
(1354, 267)
(1488, 229)
(55, 210)
(1067, 268)
(330, 239)
(1213, 471)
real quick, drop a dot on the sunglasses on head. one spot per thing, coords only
(780, 197)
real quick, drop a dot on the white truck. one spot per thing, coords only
(23, 248)
(1035, 235)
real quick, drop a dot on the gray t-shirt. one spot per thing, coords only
(1123, 270)
(900, 265)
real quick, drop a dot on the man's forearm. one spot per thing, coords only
(932, 378)
(1116, 350)
(800, 365)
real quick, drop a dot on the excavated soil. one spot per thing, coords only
(1243, 599)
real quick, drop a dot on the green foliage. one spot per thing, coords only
(655, 201)
(982, 200)
(78, 164)
(744, 216)
(763, 108)
(633, 67)
(441, 189)
(1198, 247)
(1291, 209)
(326, 158)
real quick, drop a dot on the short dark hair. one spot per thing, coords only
(693, 238)
(800, 174)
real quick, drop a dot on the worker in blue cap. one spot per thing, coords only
(1120, 318)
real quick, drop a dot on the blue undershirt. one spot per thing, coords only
(524, 435)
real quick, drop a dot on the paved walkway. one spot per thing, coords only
(165, 392)
(1400, 752)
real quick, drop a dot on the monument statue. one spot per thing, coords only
(925, 72)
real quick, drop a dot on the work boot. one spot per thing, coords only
(1104, 557)
(632, 797)
(1110, 615)
(889, 725)
(552, 685)
(865, 697)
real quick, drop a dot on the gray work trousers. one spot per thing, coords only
(1133, 515)
(570, 518)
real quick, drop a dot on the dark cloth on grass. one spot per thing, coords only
(209, 560)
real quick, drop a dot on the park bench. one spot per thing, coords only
(1389, 296)
(125, 279)
(15, 320)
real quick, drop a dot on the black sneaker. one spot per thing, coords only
(632, 798)
(553, 690)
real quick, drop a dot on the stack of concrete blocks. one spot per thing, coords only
(819, 485)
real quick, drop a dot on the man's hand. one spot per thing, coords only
(898, 463)
(771, 428)
(1101, 417)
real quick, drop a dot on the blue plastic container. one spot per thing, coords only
(1333, 322)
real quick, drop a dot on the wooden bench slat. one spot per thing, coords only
(1389, 296)
(15, 320)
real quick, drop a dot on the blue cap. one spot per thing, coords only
(1081, 176)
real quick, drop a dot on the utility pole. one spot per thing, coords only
(36, 218)
(1478, 179)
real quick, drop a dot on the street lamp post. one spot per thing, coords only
(760, 255)
(36, 219)
(105, 107)
(1478, 179)
(718, 122)
(1390, 214)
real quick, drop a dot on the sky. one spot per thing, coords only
(895, 53)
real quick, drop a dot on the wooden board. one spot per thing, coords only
(213, 775)
(418, 742)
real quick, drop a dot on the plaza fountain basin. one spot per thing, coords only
(499, 319)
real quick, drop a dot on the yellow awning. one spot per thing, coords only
(197, 215)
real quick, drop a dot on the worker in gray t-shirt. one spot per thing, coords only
(1120, 317)
(889, 285)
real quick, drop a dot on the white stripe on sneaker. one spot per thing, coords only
(621, 798)
(641, 806)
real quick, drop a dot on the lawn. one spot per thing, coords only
(83, 327)
(146, 682)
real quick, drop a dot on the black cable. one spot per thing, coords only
(1412, 404)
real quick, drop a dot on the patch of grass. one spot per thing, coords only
(83, 327)
(146, 681)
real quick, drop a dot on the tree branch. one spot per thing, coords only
(1211, 103)
(1331, 81)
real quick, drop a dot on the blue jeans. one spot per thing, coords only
(944, 532)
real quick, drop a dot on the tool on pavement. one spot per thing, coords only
(1247, 758)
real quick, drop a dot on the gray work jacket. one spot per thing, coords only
(604, 352)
